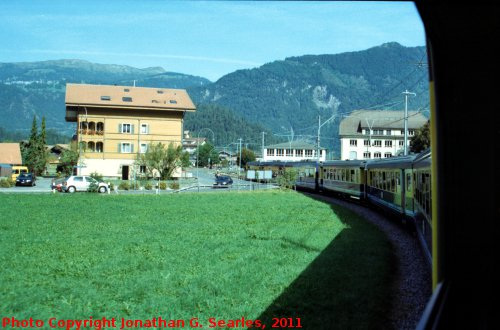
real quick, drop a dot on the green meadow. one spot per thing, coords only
(257, 255)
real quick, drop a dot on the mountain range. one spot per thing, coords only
(283, 98)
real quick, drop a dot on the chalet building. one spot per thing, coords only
(10, 154)
(293, 152)
(369, 134)
(116, 123)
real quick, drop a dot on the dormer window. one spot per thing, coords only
(173, 102)
(105, 98)
(159, 91)
(126, 90)
(126, 99)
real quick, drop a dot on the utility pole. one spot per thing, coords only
(319, 133)
(263, 145)
(406, 93)
(239, 166)
(369, 135)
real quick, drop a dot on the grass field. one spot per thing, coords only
(253, 255)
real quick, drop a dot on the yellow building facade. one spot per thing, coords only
(116, 123)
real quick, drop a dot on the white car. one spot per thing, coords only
(82, 183)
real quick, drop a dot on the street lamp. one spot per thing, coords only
(198, 154)
(81, 137)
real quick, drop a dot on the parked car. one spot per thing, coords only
(222, 181)
(57, 184)
(82, 183)
(26, 179)
(18, 169)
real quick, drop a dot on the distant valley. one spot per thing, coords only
(280, 98)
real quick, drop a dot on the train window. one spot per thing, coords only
(353, 176)
(348, 175)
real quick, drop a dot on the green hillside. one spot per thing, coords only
(278, 97)
(292, 93)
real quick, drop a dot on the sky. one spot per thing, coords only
(202, 38)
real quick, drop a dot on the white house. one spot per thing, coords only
(293, 151)
(369, 134)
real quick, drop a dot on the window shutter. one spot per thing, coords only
(132, 129)
(119, 146)
(119, 128)
(131, 147)
(147, 128)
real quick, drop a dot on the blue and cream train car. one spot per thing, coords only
(389, 184)
(422, 196)
(346, 178)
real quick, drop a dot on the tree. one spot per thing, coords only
(69, 158)
(185, 162)
(207, 155)
(34, 155)
(422, 138)
(160, 159)
(247, 155)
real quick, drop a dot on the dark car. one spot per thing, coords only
(223, 181)
(26, 179)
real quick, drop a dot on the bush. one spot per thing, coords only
(174, 185)
(93, 187)
(97, 176)
(6, 183)
(148, 186)
(287, 179)
(124, 185)
(163, 185)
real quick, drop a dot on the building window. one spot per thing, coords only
(402, 132)
(377, 143)
(378, 132)
(126, 99)
(144, 129)
(105, 98)
(142, 169)
(309, 153)
(299, 153)
(289, 152)
(99, 147)
(366, 143)
(387, 155)
(388, 132)
(270, 152)
(411, 132)
(126, 128)
(367, 132)
(388, 143)
(366, 155)
(144, 148)
(401, 143)
(353, 143)
(100, 128)
(377, 155)
(280, 152)
(126, 147)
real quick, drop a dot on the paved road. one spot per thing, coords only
(206, 180)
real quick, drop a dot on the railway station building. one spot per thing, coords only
(371, 134)
(294, 151)
(116, 123)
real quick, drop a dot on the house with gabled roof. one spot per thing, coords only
(10, 153)
(369, 134)
(116, 123)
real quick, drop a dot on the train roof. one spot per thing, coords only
(423, 159)
(345, 163)
(392, 162)
(281, 163)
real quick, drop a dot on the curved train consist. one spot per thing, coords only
(399, 185)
